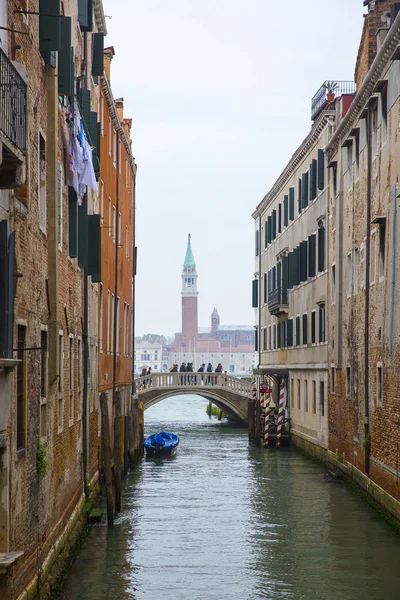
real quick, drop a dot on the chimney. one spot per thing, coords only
(108, 56)
(119, 103)
(377, 21)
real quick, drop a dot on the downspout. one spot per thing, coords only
(393, 267)
(367, 294)
(85, 336)
(115, 328)
(259, 290)
(134, 263)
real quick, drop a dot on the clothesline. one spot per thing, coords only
(81, 173)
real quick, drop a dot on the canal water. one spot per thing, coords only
(224, 520)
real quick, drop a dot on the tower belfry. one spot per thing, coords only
(189, 296)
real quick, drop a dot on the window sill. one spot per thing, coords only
(21, 453)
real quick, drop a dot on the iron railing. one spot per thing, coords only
(339, 88)
(12, 103)
(277, 300)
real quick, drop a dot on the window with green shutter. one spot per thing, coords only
(304, 190)
(297, 331)
(313, 179)
(278, 335)
(94, 247)
(273, 224)
(269, 229)
(312, 247)
(313, 327)
(256, 242)
(305, 329)
(49, 27)
(303, 260)
(83, 234)
(299, 199)
(94, 134)
(65, 59)
(256, 340)
(289, 333)
(84, 106)
(285, 211)
(72, 222)
(291, 203)
(321, 169)
(85, 14)
(266, 233)
(255, 293)
(279, 218)
(321, 249)
(285, 279)
(97, 54)
(265, 289)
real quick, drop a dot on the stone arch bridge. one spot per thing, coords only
(230, 394)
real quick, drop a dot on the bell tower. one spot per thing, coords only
(189, 298)
(214, 319)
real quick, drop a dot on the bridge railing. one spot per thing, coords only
(193, 381)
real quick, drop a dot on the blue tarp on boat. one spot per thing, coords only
(161, 443)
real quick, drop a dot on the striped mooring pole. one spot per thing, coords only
(281, 413)
(267, 411)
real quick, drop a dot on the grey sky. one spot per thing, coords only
(219, 92)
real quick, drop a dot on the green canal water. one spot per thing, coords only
(224, 520)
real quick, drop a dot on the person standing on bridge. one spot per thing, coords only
(209, 370)
(201, 370)
(182, 369)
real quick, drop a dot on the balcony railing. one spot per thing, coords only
(321, 98)
(12, 103)
(277, 301)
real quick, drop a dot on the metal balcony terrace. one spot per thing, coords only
(320, 99)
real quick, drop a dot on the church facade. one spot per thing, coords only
(230, 345)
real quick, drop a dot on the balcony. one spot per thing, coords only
(277, 302)
(13, 91)
(320, 100)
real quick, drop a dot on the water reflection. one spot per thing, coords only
(223, 520)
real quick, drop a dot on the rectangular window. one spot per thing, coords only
(109, 136)
(314, 397)
(21, 388)
(379, 384)
(333, 379)
(357, 154)
(348, 275)
(274, 336)
(322, 397)
(42, 189)
(348, 382)
(384, 115)
(350, 165)
(118, 346)
(356, 260)
(306, 396)
(269, 338)
(382, 247)
(71, 379)
(290, 333)
(313, 328)
(114, 224)
(291, 203)
(298, 395)
(255, 340)
(321, 169)
(321, 248)
(115, 148)
(255, 293)
(298, 331)
(265, 338)
(119, 228)
(292, 392)
(108, 320)
(112, 324)
(109, 224)
(43, 384)
(265, 289)
(285, 211)
(299, 199)
(279, 218)
(127, 248)
(333, 284)
(373, 257)
(321, 323)
(305, 329)
(374, 135)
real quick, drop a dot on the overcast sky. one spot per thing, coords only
(219, 92)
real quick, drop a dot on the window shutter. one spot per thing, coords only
(255, 293)
(321, 169)
(84, 105)
(296, 269)
(256, 340)
(291, 203)
(312, 246)
(265, 288)
(270, 282)
(290, 333)
(304, 190)
(49, 27)
(303, 260)
(285, 211)
(313, 179)
(313, 327)
(285, 278)
(94, 134)
(72, 222)
(305, 329)
(94, 247)
(299, 200)
(278, 276)
(297, 331)
(290, 270)
(278, 335)
(7, 289)
(65, 59)
(279, 218)
(85, 14)
(269, 229)
(98, 54)
(256, 242)
(273, 224)
(83, 234)
(266, 233)
(321, 249)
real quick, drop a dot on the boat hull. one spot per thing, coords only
(161, 444)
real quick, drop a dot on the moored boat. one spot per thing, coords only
(161, 444)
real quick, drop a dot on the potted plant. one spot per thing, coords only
(331, 87)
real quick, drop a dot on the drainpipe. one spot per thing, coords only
(367, 292)
(393, 269)
(115, 329)
(259, 290)
(85, 336)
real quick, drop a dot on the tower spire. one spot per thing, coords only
(189, 295)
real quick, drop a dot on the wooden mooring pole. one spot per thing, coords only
(106, 452)
(117, 451)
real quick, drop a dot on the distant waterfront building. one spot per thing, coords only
(230, 345)
(147, 355)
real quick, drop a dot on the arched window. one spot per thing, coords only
(226, 337)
